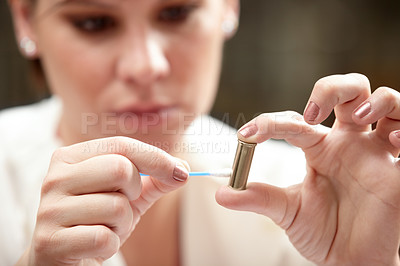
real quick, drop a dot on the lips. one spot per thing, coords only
(145, 117)
(143, 110)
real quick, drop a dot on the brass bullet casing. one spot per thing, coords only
(241, 165)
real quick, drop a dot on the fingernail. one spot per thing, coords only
(363, 110)
(397, 134)
(312, 112)
(248, 130)
(180, 173)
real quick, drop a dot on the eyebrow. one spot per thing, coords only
(61, 3)
(94, 3)
(83, 2)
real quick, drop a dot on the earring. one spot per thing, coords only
(28, 46)
(229, 26)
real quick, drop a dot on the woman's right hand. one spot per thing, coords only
(93, 196)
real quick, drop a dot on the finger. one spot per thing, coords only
(110, 209)
(147, 159)
(264, 199)
(382, 106)
(71, 245)
(394, 138)
(382, 135)
(340, 92)
(152, 190)
(384, 102)
(284, 125)
(105, 173)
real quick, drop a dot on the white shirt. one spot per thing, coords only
(210, 234)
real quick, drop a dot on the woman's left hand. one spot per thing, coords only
(347, 210)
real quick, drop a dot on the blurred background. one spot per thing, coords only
(282, 48)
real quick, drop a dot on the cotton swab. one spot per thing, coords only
(226, 172)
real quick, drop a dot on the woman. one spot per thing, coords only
(147, 71)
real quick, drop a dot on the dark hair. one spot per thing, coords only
(37, 76)
(36, 72)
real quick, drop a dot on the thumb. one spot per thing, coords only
(279, 204)
(153, 189)
(183, 164)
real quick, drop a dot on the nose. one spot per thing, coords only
(142, 60)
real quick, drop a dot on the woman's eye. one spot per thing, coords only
(176, 13)
(94, 24)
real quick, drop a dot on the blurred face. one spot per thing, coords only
(140, 68)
